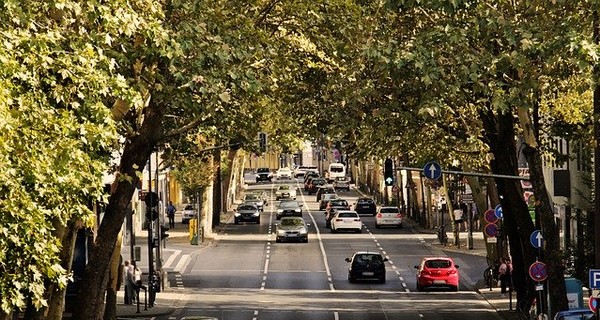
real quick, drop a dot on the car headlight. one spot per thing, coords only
(279, 211)
(303, 231)
(297, 210)
(281, 232)
(237, 214)
(256, 214)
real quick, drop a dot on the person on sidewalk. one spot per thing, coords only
(171, 214)
(505, 274)
(475, 217)
(129, 280)
(458, 216)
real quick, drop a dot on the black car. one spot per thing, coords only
(321, 190)
(314, 184)
(289, 208)
(366, 265)
(365, 206)
(247, 212)
(264, 174)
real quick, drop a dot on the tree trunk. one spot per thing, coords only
(517, 224)
(110, 309)
(136, 152)
(217, 190)
(228, 180)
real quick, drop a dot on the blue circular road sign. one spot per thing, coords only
(536, 239)
(537, 271)
(498, 211)
(432, 170)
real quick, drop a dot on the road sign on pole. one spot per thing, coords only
(593, 304)
(491, 230)
(498, 211)
(490, 216)
(536, 239)
(537, 271)
(432, 170)
(594, 278)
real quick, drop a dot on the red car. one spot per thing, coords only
(437, 272)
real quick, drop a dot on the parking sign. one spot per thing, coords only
(594, 278)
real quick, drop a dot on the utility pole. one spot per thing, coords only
(596, 104)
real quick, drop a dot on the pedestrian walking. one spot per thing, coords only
(505, 274)
(129, 280)
(458, 216)
(475, 217)
(171, 214)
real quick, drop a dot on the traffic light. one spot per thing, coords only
(388, 172)
(163, 232)
(262, 141)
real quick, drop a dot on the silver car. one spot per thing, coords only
(255, 199)
(188, 213)
(291, 229)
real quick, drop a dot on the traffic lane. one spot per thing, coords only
(293, 265)
(228, 264)
(471, 266)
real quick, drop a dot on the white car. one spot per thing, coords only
(388, 216)
(346, 220)
(188, 213)
(302, 170)
(285, 192)
(283, 174)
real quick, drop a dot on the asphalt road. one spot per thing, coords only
(246, 275)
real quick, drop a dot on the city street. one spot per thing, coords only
(244, 274)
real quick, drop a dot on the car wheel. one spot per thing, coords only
(418, 286)
(277, 240)
(400, 226)
(236, 222)
(359, 230)
(455, 289)
(351, 279)
(258, 221)
(382, 279)
(305, 240)
(327, 225)
(377, 226)
(333, 230)
(278, 217)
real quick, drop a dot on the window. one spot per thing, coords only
(438, 264)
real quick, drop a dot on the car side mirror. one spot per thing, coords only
(385, 260)
(308, 224)
(348, 260)
(416, 267)
(456, 266)
(301, 205)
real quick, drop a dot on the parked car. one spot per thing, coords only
(574, 314)
(314, 184)
(365, 206)
(263, 174)
(437, 272)
(283, 174)
(246, 212)
(289, 208)
(256, 200)
(341, 183)
(346, 220)
(188, 213)
(388, 216)
(325, 200)
(291, 229)
(321, 190)
(366, 265)
(285, 192)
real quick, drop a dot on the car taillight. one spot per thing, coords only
(356, 219)
(399, 215)
(452, 271)
(379, 215)
(338, 220)
(425, 272)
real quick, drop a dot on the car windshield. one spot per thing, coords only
(291, 222)
(288, 204)
(389, 210)
(251, 197)
(188, 207)
(262, 170)
(284, 188)
(438, 264)
(247, 207)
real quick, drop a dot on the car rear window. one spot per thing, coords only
(262, 170)
(339, 202)
(365, 201)
(188, 207)
(347, 215)
(389, 210)
(437, 264)
(337, 169)
(368, 259)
